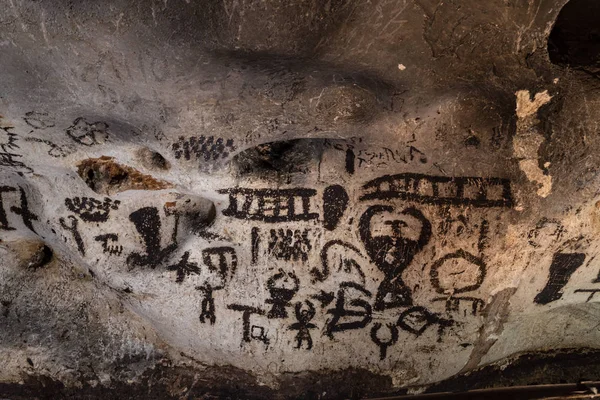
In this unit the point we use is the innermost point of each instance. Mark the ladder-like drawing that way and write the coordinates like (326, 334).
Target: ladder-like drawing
(270, 205)
(475, 191)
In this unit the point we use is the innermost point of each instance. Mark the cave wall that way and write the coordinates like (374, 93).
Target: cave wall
(264, 198)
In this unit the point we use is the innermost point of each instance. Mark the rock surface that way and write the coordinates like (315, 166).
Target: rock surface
(328, 199)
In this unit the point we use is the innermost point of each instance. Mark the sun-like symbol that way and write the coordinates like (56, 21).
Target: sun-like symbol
(8, 140)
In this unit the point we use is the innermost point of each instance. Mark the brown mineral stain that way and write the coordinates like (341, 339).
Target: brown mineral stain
(105, 176)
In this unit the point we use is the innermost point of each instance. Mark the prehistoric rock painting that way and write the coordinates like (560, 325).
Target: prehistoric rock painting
(249, 334)
(352, 307)
(184, 267)
(393, 254)
(303, 324)
(203, 148)
(455, 273)
(289, 245)
(348, 255)
(339, 191)
(73, 228)
(86, 133)
(359, 155)
(148, 223)
(267, 205)
(9, 156)
(478, 192)
(8, 140)
(55, 150)
(90, 209)
(562, 267)
(27, 216)
(110, 243)
(39, 119)
(325, 264)
(335, 202)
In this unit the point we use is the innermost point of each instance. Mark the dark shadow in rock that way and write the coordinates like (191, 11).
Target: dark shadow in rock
(35, 254)
(352, 95)
(152, 159)
(297, 156)
(575, 37)
(42, 257)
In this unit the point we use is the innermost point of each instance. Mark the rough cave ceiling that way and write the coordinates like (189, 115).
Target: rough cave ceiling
(329, 198)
